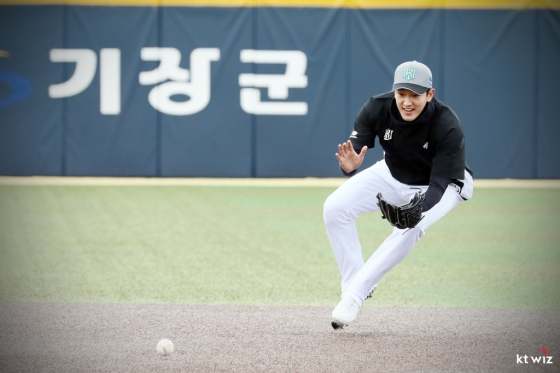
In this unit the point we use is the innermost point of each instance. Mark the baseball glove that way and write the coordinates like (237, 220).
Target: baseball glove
(402, 217)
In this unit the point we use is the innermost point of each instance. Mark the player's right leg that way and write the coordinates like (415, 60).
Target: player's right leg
(353, 198)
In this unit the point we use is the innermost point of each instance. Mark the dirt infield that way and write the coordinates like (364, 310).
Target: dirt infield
(70, 337)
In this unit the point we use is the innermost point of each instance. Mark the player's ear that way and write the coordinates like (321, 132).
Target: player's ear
(430, 94)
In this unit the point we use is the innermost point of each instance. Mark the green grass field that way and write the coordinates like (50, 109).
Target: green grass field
(265, 246)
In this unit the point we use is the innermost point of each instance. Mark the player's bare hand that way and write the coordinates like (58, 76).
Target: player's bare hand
(348, 158)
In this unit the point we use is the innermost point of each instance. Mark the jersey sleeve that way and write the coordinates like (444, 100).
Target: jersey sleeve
(449, 160)
(435, 191)
(364, 127)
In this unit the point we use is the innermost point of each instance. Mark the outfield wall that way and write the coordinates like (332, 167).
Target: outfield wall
(265, 88)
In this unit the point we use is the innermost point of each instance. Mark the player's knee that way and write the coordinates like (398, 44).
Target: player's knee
(413, 235)
(334, 210)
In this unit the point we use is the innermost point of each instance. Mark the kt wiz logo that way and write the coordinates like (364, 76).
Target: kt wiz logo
(543, 359)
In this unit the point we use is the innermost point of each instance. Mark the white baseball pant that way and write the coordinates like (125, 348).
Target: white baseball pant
(359, 195)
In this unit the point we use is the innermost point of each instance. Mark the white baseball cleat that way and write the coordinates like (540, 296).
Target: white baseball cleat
(344, 313)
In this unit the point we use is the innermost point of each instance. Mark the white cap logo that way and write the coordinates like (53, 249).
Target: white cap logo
(409, 73)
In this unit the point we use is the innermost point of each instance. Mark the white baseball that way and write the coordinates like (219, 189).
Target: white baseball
(165, 347)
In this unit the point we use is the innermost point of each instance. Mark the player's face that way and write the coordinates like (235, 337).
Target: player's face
(410, 104)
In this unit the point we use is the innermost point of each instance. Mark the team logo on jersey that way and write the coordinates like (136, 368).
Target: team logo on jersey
(353, 135)
(425, 145)
(409, 73)
(388, 135)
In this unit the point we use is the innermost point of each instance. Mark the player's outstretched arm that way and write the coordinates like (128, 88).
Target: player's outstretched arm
(348, 158)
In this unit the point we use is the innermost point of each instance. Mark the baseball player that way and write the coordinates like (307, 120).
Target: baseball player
(422, 177)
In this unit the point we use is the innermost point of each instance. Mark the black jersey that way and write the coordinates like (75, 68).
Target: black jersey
(433, 145)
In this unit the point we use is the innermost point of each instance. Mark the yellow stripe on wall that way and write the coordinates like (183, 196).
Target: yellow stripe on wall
(353, 4)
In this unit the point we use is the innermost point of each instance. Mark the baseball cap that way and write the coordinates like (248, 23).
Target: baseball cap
(414, 76)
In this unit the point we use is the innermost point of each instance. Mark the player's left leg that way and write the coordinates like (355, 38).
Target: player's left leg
(393, 250)
(400, 243)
